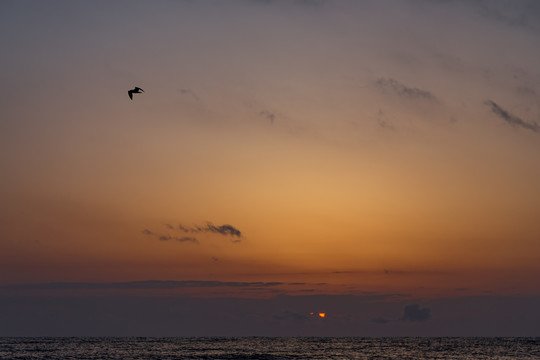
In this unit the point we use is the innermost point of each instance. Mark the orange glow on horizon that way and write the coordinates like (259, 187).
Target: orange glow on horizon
(322, 315)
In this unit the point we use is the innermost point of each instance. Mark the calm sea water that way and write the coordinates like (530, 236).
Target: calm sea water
(269, 348)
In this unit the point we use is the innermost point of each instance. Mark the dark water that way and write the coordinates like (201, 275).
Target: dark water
(269, 348)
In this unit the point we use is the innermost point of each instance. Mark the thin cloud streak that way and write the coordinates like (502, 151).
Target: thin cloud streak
(512, 119)
(226, 229)
(150, 284)
(396, 87)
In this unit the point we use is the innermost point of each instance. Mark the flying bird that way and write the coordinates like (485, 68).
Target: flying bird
(137, 90)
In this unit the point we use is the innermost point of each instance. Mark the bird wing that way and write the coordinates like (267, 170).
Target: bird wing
(138, 88)
(130, 93)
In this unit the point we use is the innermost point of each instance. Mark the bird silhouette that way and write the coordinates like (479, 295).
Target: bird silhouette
(137, 90)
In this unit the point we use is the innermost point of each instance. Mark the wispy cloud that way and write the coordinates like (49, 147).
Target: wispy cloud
(189, 93)
(177, 238)
(512, 119)
(226, 229)
(396, 87)
(383, 121)
(268, 115)
(167, 237)
(150, 284)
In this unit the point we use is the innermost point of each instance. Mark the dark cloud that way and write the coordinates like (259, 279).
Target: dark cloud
(186, 229)
(512, 119)
(186, 239)
(177, 238)
(414, 313)
(226, 229)
(394, 86)
(268, 115)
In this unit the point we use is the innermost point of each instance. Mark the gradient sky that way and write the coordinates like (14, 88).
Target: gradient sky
(374, 160)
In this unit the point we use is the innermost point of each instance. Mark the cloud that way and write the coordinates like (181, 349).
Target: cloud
(188, 92)
(177, 238)
(394, 86)
(512, 119)
(225, 230)
(383, 121)
(414, 313)
(186, 239)
(268, 115)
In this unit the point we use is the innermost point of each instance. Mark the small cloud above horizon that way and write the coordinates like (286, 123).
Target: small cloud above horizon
(226, 230)
(414, 313)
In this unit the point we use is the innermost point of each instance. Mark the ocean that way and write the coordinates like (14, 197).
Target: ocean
(269, 348)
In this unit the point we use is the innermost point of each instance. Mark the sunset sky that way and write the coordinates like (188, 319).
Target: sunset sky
(377, 161)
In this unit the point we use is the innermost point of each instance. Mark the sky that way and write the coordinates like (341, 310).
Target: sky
(376, 161)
